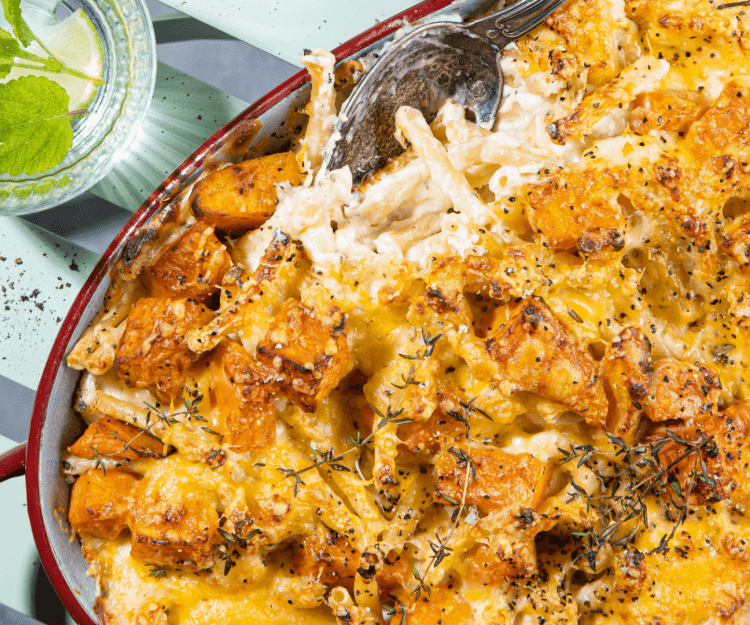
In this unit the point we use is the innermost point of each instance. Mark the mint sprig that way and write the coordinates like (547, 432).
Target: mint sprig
(21, 30)
(11, 49)
(35, 131)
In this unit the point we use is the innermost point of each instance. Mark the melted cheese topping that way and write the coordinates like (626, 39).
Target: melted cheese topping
(508, 296)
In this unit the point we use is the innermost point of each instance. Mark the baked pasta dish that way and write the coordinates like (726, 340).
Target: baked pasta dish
(504, 380)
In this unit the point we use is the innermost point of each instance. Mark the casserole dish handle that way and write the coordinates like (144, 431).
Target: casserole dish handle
(13, 462)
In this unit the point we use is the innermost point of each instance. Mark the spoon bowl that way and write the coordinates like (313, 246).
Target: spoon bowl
(423, 69)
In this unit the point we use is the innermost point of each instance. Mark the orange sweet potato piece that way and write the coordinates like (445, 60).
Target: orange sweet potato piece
(152, 350)
(445, 605)
(626, 374)
(242, 389)
(243, 196)
(486, 567)
(734, 444)
(736, 241)
(99, 503)
(191, 267)
(535, 351)
(586, 28)
(427, 436)
(697, 491)
(307, 349)
(112, 437)
(174, 522)
(497, 481)
(719, 125)
(703, 20)
(680, 390)
(579, 210)
(329, 557)
(664, 110)
(724, 455)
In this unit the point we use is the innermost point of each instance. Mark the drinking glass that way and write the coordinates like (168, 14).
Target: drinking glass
(115, 114)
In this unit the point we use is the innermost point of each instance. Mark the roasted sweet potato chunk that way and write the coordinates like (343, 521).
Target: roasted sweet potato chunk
(308, 350)
(489, 568)
(191, 267)
(329, 557)
(243, 196)
(579, 210)
(666, 110)
(111, 437)
(535, 351)
(626, 373)
(716, 466)
(642, 76)
(736, 241)
(631, 572)
(586, 27)
(99, 503)
(696, 485)
(734, 442)
(703, 20)
(245, 295)
(509, 274)
(719, 125)
(680, 390)
(242, 391)
(427, 436)
(152, 350)
(497, 480)
(174, 522)
(445, 605)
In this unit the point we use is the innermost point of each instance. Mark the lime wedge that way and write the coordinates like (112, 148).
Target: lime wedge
(74, 42)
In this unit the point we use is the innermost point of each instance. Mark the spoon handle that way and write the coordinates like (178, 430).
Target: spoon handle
(509, 24)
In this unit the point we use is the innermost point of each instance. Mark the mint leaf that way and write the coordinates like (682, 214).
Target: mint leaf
(9, 49)
(35, 131)
(21, 29)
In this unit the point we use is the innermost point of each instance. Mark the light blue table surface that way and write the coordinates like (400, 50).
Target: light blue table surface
(44, 259)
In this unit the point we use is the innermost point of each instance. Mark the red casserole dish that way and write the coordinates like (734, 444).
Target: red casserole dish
(54, 425)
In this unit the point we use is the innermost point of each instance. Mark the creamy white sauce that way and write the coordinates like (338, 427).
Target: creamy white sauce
(406, 214)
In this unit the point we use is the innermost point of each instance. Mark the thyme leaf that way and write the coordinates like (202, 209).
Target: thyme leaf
(620, 504)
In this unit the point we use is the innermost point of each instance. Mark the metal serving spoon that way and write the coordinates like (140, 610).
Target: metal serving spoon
(429, 65)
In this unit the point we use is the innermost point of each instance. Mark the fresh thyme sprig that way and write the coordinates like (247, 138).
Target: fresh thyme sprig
(190, 412)
(327, 457)
(732, 5)
(238, 539)
(127, 445)
(227, 555)
(99, 461)
(430, 342)
(463, 458)
(469, 407)
(333, 460)
(392, 416)
(638, 474)
(440, 547)
(398, 607)
(228, 552)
